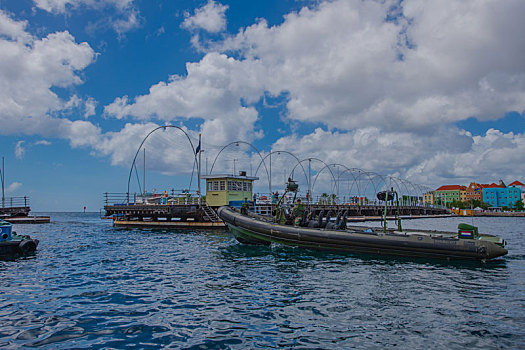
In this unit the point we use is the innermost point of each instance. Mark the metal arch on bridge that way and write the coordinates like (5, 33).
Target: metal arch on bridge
(144, 140)
(237, 143)
(371, 176)
(310, 159)
(387, 180)
(359, 171)
(327, 166)
(351, 171)
(413, 188)
(278, 152)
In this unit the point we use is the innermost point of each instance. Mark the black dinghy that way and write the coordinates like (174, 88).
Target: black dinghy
(317, 230)
(464, 244)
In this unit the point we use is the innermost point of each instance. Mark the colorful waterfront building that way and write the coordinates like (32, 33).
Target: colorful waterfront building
(521, 187)
(500, 195)
(472, 192)
(448, 193)
(428, 198)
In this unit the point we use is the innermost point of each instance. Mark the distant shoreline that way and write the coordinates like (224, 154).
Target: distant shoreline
(501, 214)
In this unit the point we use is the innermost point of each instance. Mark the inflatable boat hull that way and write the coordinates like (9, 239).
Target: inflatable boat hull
(407, 243)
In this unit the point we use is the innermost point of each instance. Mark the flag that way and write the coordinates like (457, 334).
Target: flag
(198, 149)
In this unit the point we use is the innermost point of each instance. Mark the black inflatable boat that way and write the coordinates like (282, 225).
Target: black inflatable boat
(467, 243)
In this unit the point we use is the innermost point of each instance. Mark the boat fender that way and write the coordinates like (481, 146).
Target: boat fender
(27, 246)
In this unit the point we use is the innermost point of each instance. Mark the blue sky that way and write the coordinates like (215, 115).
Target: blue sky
(428, 91)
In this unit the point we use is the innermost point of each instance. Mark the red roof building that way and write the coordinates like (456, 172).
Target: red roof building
(472, 192)
(448, 193)
(493, 185)
(451, 188)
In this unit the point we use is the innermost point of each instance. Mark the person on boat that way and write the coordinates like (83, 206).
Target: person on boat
(298, 211)
(244, 207)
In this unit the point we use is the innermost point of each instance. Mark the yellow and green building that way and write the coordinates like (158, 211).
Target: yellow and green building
(428, 198)
(447, 194)
(228, 189)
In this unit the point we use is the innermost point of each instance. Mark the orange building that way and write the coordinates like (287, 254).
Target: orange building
(474, 191)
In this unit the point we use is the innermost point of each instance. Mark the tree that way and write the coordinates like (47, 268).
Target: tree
(458, 204)
(519, 205)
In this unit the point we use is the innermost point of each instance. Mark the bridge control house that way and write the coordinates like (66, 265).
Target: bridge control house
(228, 189)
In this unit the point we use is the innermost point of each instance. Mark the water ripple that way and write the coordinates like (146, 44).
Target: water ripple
(93, 286)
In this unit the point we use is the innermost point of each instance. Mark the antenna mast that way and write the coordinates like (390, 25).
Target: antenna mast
(2, 175)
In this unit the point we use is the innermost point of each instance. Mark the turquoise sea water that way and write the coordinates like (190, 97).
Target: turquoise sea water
(94, 286)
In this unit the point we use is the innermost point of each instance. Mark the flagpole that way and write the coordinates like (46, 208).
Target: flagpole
(200, 194)
(2, 173)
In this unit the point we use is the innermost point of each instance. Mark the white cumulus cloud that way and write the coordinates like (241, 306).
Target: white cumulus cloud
(12, 188)
(43, 143)
(345, 66)
(126, 15)
(61, 6)
(30, 67)
(450, 155)
(211, 18)
(392, 77)
(211, 91)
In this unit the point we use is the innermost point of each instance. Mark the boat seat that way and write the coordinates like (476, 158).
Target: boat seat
(331, 226)
(320, 219)
(327, 221)
(313, 224)
(304, 219)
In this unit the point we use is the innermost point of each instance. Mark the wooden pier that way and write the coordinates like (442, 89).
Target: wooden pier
(14, 206)
(28, 219)
(16, 211)
(194, 215)
(168, 215)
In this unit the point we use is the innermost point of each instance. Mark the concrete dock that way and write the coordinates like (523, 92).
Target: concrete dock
(28, 219)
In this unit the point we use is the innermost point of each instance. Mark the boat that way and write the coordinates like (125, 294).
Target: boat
(320, 231)
(14, 245)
